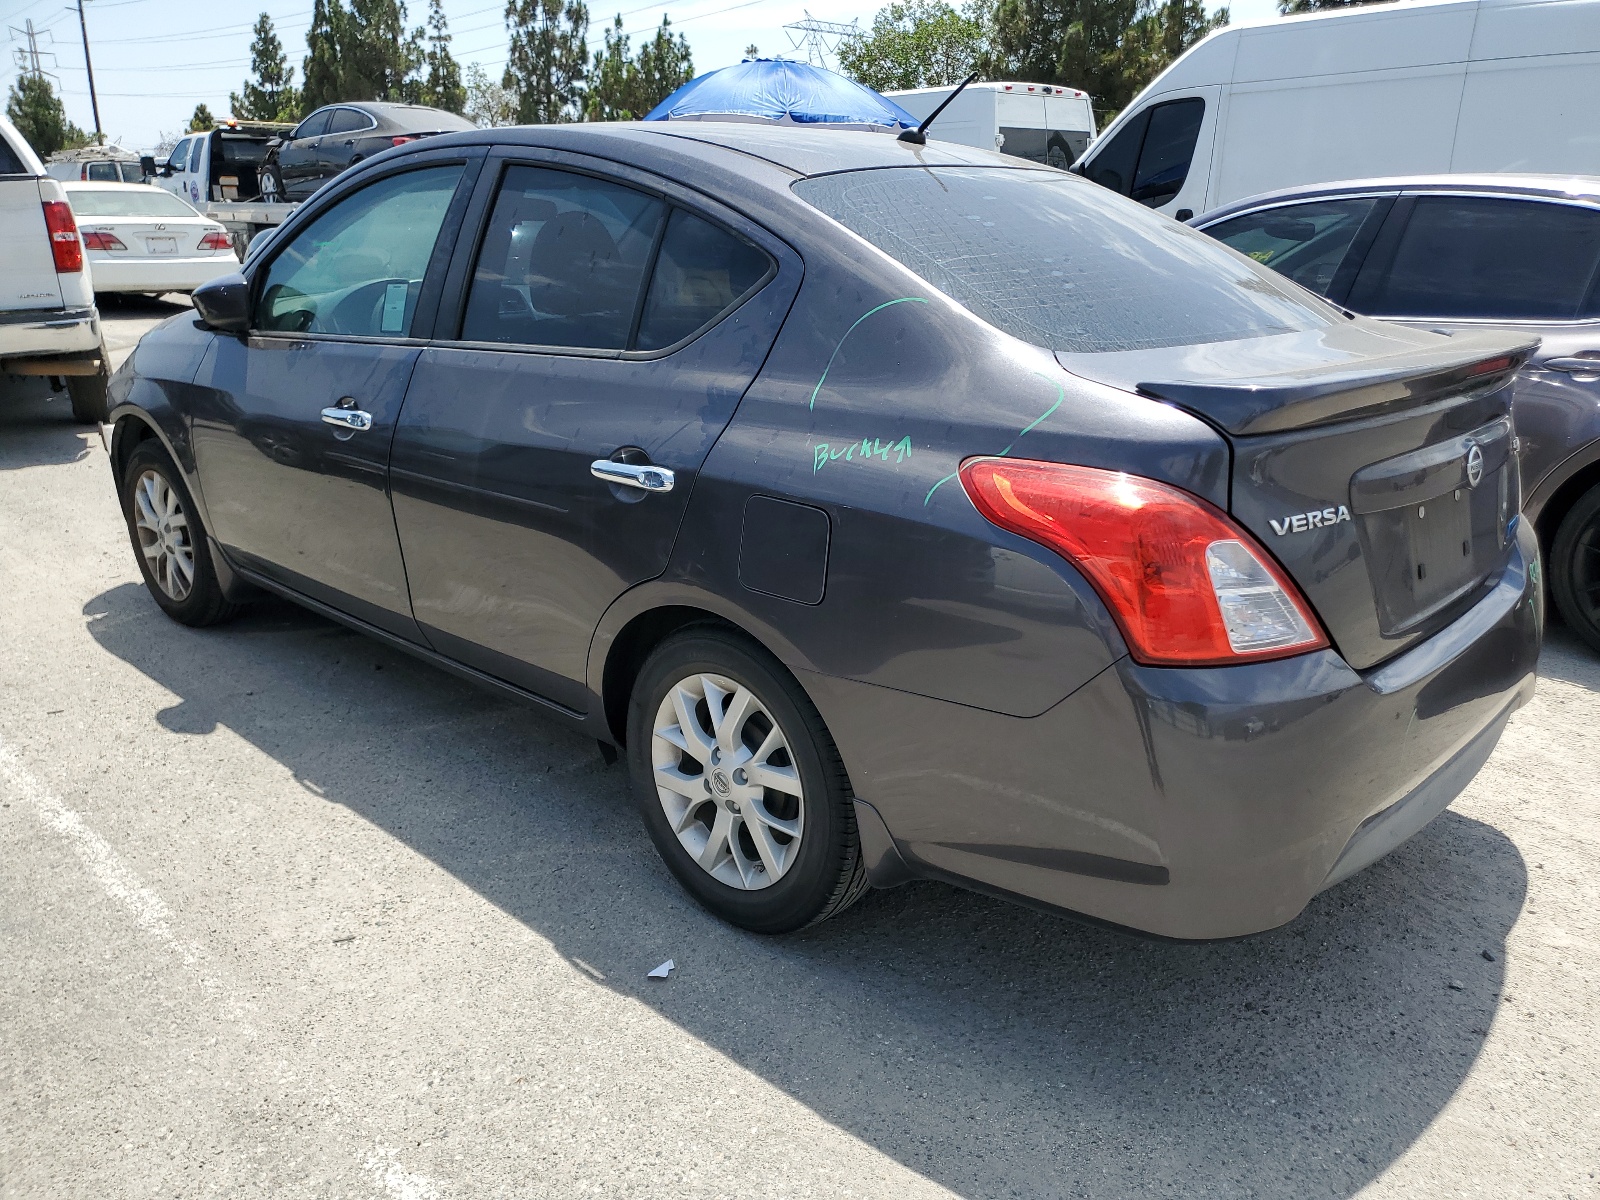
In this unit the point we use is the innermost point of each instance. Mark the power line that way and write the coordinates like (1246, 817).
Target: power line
(821, 38)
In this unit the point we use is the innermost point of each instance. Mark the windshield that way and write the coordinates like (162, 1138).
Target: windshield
(1060, 262)
(137, 201)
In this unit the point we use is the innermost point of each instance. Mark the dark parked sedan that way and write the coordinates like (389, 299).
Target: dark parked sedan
(338, 136)
(897, 511)
(1516, 253)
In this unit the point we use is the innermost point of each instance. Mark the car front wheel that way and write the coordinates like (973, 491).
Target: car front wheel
(271, 184)
(169, 541)
(1575, 567)
(740, 785)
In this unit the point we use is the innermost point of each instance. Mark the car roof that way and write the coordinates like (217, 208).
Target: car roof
(1557, 187)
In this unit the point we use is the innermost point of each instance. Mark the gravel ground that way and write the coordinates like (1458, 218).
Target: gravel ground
(287, 914)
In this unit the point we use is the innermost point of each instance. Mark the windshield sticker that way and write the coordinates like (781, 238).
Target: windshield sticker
(394, 308)
(848, 332)
(1061, 395)
(823, 454)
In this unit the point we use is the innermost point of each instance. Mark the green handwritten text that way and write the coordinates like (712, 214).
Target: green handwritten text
(822, 453)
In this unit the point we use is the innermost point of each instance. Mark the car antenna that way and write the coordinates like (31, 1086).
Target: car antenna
(919, 135)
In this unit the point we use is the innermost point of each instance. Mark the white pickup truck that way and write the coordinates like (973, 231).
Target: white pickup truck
(48, 322)
(218, 171)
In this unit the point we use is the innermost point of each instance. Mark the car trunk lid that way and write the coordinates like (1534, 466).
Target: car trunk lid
(1385, 482)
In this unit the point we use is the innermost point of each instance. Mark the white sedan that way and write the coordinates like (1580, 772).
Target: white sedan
(140, 238)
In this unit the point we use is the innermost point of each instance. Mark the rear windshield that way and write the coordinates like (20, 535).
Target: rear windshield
(1060, 262)
(139, 201)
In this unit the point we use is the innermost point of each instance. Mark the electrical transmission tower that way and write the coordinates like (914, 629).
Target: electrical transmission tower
(819, 39)
(28, 57)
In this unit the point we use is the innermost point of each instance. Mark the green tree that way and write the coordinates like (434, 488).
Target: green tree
(624, 88)
(548, 56)
(1289, 7)
(489, 105)
(443, 87)
(324, 82)
(202, 121)
(378, 59)
(752, 51)
(916, 43)
(665, 65)
(271, 95)
(1109, 48)
(35, 109)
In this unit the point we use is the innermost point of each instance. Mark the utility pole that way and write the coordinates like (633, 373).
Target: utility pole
(94, 101)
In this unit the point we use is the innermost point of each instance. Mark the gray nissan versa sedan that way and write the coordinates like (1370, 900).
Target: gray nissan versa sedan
(900, 511)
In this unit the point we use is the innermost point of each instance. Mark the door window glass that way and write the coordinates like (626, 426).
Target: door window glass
(103, 172)
(179, 158)
(1306, 242)
(1113, 165)
(314, 126)
(701, 272)
(347, 120)
(1483, 256)
(563, 261)
(1168, 147)
(195, 151)
(357, 268)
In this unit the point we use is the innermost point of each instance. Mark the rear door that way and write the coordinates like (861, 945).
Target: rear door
(608, 319)
(339, 144)
(1470, 261)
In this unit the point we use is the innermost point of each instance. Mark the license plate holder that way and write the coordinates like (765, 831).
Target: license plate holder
(161, 245)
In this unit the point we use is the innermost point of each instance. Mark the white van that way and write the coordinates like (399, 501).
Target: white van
(1041, 122)
(1414, 88)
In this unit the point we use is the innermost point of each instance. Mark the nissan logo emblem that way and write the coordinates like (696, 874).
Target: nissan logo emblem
(1474, 466)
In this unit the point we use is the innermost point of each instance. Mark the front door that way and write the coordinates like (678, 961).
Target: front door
(292, 429)
(604, 319)
(299, 164)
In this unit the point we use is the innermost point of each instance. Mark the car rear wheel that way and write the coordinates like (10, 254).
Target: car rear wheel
(740, 785)
(169, 541)
(88, 396)
(1575, 567)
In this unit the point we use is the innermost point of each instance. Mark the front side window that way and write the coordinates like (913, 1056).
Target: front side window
(1149, 157)
(563, 262)
(1306, 242)
(313, 126)
(357, 269)
(1114, 164)
(1053, 261)
(348, 120)
(1493, 258)
(179, 158)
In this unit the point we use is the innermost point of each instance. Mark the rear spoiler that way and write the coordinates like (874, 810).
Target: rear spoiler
(1342, 392)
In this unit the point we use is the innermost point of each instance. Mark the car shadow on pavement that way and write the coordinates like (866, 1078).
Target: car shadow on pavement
(996, 1050)
(36, 426)
(1569, 658)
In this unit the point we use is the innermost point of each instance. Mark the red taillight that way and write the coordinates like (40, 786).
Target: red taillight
(216, 240)
(94, 239)
(1185, 584)
(64, 243)
(400, 141)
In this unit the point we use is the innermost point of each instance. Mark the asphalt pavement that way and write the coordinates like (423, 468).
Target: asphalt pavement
(285, 913)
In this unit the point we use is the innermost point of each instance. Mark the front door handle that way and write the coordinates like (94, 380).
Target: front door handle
(347, 418)
(647, 477)
(1577, 365)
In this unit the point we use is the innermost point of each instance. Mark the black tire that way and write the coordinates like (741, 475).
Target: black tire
(271, 182)
(88, 396)
(827, 874)
(203, 603)
(1575, 567)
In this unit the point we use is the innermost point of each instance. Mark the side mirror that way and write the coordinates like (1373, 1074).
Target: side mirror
(147, 164)
(224, 303)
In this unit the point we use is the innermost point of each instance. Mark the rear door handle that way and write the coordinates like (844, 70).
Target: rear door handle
(647, 477)
(1577, 365)
(347, 418)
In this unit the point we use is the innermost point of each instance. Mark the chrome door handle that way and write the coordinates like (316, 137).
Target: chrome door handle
(347, 418)
(1577, 365)
(651, 479)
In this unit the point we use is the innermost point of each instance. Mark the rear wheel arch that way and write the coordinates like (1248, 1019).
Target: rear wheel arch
(1560, 502)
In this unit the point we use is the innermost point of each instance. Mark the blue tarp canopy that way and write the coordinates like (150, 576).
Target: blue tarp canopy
(783, 92)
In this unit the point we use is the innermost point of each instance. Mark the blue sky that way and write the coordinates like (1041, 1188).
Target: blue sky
(154, 60)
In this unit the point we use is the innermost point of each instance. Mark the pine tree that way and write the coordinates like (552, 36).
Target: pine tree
(202, 121)
(665, 65)
(624, 88)
(611, 79)
(546, 67)
(271, 96)
(324, 77)
(378, 59)
(1289, 7)
(442, 88)
(35, 109)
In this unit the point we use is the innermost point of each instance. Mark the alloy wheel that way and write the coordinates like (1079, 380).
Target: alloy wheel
(163, 530)
(727, 781)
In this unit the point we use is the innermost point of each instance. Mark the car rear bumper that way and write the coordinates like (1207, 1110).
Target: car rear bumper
(48, 331)
(121, 274)
(1202, 803)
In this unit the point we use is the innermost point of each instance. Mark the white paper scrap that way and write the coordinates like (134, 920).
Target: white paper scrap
(663, 970)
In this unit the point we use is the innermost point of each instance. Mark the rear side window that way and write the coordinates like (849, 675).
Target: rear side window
(701, 272)
(195, 151)
(10, 160)
(1306, 242)
(1048, 259)
(1490, 257)
(563, 262)
(348, 120)
(1149, 158)
(103, 172)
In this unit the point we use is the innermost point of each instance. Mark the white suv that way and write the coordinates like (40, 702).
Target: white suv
(48, 321)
